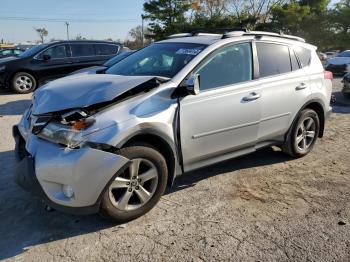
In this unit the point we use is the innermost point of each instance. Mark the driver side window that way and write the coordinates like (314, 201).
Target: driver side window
(226, 66)
(55, 52)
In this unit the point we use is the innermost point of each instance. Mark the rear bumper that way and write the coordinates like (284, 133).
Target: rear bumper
(45, 168)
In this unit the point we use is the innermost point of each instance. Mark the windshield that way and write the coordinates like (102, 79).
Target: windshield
(117, 58)
(161, 59)
(32, 51)
(344, 54)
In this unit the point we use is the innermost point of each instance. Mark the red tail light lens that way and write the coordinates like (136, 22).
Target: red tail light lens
(328, 75)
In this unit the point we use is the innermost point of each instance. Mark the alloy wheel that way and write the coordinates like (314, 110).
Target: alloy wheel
(135, 186)
(305, 134)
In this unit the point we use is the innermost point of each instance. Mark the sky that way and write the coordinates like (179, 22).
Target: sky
(97, 19)
(92, 19)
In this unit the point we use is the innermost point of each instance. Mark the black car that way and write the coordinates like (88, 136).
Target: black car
(346, 87)
(47, 62)
(102, 68)
(10, 52)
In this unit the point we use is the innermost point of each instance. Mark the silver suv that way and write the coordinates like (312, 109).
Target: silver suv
(113, 142)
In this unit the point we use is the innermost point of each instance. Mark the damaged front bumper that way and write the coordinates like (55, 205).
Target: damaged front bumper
(47, 170)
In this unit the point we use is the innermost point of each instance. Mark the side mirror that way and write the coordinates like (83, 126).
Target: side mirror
(192, 84)
(46, 57)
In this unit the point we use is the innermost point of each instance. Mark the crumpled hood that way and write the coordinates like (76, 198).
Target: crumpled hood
(79, 91)
(7, 59)
(339, 60)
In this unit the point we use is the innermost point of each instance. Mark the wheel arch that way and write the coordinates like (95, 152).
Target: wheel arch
(28, 71)
(318, 106)
(162, 144)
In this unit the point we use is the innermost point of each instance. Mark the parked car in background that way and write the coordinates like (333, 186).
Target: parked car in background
(346, 86)
(322, 56)
(46, 62)
(10, 52)
(113, 142)
(332, 53)
(340, 64)
(105, 66)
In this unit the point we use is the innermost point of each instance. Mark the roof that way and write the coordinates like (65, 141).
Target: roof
(200, 39)
(82, 41)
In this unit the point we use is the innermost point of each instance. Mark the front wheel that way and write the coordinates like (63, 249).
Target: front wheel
(303, 135)
(138, 189)
(23, 83)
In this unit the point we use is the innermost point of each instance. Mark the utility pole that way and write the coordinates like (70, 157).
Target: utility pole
(67, 25)
(142, 32)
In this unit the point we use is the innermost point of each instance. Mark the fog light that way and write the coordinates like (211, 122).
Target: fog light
(68, 191)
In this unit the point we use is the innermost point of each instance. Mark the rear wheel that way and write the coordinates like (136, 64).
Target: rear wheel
(138, 189)
(303, 135)
(23, 83)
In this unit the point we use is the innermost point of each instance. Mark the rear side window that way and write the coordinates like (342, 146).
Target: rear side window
(105, 49)
(273, 59)
(82, 50)
(304, 55)
(293, 60)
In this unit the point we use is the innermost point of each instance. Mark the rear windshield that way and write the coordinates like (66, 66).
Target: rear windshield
(161, 59)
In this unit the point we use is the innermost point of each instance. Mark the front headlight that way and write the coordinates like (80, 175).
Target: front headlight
(68, 135)
(2, 68)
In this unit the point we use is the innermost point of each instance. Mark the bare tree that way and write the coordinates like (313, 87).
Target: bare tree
(260, 9)
(214, 7)
(42, 32)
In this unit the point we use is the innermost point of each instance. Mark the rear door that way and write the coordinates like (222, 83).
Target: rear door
(52, 63)
(285, 88)
(83, 55)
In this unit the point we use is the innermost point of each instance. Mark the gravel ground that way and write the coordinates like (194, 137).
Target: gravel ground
(261, 207)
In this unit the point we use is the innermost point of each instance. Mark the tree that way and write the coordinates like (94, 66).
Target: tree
(42, 32)
(136, 38)
(79, 37)
(166, 17)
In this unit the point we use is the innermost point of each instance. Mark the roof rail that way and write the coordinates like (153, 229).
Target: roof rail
(281, 34)
(238, 32)
(207, 32)
(262, 33)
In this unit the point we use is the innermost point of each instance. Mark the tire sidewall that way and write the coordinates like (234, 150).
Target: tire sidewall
(19, 91)
(304, 114)
(148, 153)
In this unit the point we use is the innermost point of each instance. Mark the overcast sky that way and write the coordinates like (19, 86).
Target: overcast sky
(97, 19)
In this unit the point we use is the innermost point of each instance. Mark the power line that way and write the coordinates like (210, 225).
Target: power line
(40, 19)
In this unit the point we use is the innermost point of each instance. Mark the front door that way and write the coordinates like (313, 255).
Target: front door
(52, 63)
(223, 119)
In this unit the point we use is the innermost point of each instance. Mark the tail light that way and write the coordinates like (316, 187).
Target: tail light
(328, 75)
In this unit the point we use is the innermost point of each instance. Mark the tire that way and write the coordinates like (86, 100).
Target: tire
(23, 83)
(300, 141)
(149, 160)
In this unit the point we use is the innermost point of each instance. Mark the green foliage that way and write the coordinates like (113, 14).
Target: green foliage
(327, 28)
(166, 17)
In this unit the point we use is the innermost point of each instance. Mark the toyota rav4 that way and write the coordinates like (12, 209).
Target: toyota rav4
(113, 142)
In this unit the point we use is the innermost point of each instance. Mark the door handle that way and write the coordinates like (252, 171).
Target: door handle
(301, 86)
(251, 97)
